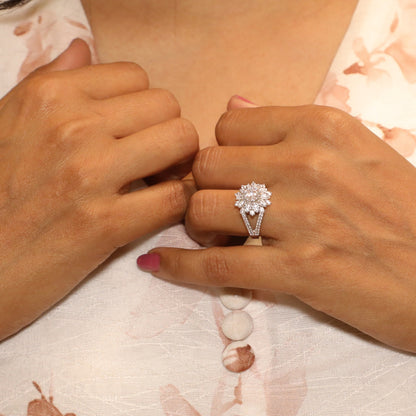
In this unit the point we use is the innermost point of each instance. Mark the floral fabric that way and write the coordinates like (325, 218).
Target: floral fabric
(124, 343)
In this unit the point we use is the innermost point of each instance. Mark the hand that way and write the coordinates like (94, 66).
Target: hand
(72, 138)
(340, 233)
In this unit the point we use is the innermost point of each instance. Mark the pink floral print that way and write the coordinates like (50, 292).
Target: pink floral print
(403, 141)
(333, 94)
(43, 406)
(277, 382)
(174, 404)
(367, 65)
(380, 65)
(402, 45)
(40, 43)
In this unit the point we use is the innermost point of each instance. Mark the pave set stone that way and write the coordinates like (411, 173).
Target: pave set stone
(252, 199)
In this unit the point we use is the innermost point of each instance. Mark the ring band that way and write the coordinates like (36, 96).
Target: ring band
(252, 199)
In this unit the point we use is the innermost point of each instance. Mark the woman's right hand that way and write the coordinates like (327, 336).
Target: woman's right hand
(72, 137)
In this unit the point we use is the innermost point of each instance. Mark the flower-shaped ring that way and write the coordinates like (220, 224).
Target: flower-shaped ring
(252, 199)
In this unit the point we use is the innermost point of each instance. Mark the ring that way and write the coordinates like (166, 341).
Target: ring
(252, 199)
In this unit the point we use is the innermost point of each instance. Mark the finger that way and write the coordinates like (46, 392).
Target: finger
(127, 114)
(103, 80)
(256, 126)
(109, 80)
(229, 167)
(178, 171)
(236, 102)
(155, 149)
(212, 213)
(98, 81)
(146, 210)
(248, 267)
(76, 56)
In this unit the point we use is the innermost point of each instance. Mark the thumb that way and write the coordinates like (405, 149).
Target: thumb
(77, 55)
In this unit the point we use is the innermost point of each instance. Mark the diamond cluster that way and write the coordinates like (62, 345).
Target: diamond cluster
(253, 198)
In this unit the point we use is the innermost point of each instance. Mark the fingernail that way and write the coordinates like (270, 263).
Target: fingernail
(239, 97)
(149, 262)
(237, 101)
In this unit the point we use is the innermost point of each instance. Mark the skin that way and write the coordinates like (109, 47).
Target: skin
(340, 233)
(65, 168)
(205, 51)
(64, 206)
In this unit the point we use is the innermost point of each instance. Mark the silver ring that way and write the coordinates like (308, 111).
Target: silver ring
(252, 199)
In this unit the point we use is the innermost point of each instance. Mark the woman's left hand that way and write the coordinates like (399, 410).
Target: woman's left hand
(340, 233)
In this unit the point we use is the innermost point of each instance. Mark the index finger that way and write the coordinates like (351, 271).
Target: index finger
(99, 81)
(256, 126)
(109, 80)
(248, 267)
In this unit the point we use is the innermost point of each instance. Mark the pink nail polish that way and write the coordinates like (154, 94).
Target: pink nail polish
(239, 97)
(236, 102)
(149, 262)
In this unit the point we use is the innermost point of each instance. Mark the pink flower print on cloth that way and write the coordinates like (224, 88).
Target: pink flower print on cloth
(399, 44)
(403, 141)
(333, 94)
(39, 35)
(368, 62)
(402, 46)
(43, 406)
(379, 85)
(174, 404)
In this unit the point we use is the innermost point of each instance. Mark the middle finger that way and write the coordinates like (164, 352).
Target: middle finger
(126, 114)
(229, 167)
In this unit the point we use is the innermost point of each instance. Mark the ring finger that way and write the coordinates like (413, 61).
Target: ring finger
(213, 212)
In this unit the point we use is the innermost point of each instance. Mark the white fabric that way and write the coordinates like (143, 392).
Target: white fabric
(124, 343)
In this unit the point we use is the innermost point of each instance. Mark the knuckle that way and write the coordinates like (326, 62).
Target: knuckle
(184, 128)
(176, 198)
(206, 162)
(216, 267)
(226, 123)
(44, 90)
(201, 206)
(316, 166)
(71, 131)
(137, 71)
(329, 122)
(333, 117)
(168, 100)
(186, 135)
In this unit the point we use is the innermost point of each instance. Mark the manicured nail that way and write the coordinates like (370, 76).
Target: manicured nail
(239, 97)
(149, 262)
(237, 101)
